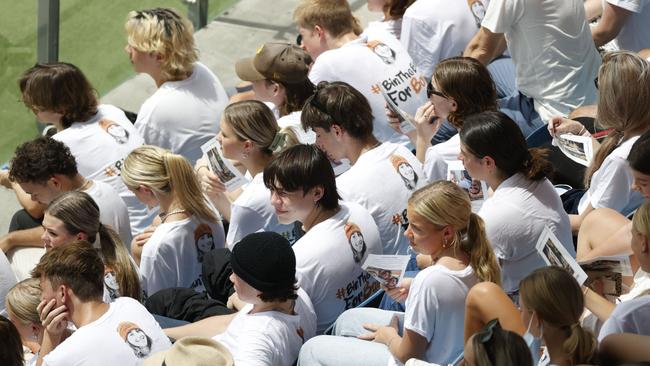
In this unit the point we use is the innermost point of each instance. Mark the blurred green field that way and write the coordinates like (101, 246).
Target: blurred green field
(91, 37)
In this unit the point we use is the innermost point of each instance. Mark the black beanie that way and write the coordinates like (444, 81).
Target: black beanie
(265, 261)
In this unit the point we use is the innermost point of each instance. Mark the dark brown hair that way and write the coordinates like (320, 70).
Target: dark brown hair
(495, 135)
(639, 156)
(469, 84)
(11, 348)
(76, 265)
(38, 160)
(335, 16)
(395, 9)
(59, 87)
(338, 103)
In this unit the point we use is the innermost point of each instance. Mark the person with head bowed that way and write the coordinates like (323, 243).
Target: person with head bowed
(170, 256)
(524, 202)
(442, 226)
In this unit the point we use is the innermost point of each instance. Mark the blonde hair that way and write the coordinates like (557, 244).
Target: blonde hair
(253, 120)
(168, 33)
(80, 213)
(557, 299)
(641, 219)
(335, 16)
(443, 203)
(624, 85)
(23, 299)
(167, 173)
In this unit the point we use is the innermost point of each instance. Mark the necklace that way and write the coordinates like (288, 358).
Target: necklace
(163, 216)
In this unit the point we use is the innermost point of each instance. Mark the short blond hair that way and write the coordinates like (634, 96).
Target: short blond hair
(335, 16)
(168, 33)
(23, 299)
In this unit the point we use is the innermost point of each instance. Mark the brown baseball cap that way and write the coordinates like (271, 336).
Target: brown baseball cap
(282, 62)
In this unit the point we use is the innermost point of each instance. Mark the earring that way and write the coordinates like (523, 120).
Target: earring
(244, 155)
(444, 243)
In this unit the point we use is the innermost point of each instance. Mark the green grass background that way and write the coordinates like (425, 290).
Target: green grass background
(91, 36)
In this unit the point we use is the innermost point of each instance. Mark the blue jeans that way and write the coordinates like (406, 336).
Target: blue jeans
(503, 73)
(343, 348)
(522, 110)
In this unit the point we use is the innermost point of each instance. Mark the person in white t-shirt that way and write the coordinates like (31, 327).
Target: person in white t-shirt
(551, 304)
(276, 317)
(99, 136)
(120, 333)
(442, 226)
(329, 256)
(279, 73)
(184, 112)
(624, 84)
(249, 134)
(187, 227)
(374, 63)
(552, 82)
(625, 22)
(7, 280)
(524, 201)
(43, 169)
(393, 11)
(75, 216)
(342, 120)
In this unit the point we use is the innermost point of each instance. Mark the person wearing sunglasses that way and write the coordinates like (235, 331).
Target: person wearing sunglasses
(185, 110)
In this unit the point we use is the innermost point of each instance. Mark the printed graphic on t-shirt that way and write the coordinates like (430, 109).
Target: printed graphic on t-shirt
(405, 171)
(382, 50)
(477, 8)
(110, 283)
(136, 338)
(355, 239)
(119, 133)
(357, 290)
(204, 240)
(401, 219)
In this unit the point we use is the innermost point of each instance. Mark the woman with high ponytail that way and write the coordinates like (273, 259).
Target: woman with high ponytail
(187, 226)
(624, 93)
(249, 134)
(74, 216)
(442, 226)
(551, 305)
(524, 202)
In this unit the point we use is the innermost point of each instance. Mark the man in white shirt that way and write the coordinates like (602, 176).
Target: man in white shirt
(342, 120)
(44, 168)
(184, 112)
(374, 63)
(122, 333)
(551, 47)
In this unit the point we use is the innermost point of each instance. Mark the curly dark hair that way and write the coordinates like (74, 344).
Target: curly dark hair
(37, 160)
(280, 295)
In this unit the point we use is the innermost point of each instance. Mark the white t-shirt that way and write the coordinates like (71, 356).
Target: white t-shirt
(125, 335)
(515, 217)
(552, 49)
(635, 33)
(392, 26)
(435, 309)
(329, 258)
(252, 212)
(610, 184)
(632, 316)
(173, 255)
(183, 115)
(292, 121)
(269, 338)
(7, 280)
(433, 30)
(100, 146)
(437, 158)
(112, 210)
(374, 62)
(400, 174)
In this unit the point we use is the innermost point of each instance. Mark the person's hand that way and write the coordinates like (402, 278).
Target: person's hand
(4, 179)
(211, 184)
(381, 334)
(142, 238)
(399, 293)
(393, 119)
(427, 123)
(5, 245)
(234, 302)
(54, 320)
(560, 125)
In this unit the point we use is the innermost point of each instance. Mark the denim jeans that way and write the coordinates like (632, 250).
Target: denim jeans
(343, 348)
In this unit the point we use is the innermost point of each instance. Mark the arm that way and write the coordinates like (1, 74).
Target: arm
(576, 220)
(411, 345)
(486, 46)
(207, 327)
(33, 208)
(597, 304)
(610, 24)
(22, 238)
(486, 301)
(625, 347)
(55, 323)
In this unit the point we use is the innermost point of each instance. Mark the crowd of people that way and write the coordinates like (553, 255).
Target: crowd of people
(234, 229)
